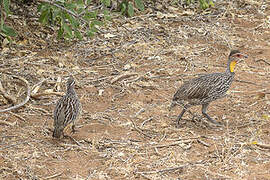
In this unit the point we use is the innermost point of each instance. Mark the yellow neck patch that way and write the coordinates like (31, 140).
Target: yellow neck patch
(232, 66)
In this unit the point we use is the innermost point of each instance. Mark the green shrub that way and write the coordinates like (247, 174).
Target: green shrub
(71, 16)
(127, 7)
(5, 30)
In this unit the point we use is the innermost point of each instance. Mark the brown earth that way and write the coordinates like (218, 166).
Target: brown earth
(126, 77)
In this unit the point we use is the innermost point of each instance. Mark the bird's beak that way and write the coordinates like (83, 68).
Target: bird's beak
(242, 56)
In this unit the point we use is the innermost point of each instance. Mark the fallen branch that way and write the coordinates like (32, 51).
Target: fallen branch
(25, 100)
(265, 146)
(164, 170)
(7, 123)
(38, 95)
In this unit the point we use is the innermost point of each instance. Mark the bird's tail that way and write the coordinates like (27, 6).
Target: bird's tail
(57, 132)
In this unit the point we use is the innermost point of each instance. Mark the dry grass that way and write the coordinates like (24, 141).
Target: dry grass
(126, 77)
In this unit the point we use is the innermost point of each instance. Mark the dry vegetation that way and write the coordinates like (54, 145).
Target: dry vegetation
(126, 77)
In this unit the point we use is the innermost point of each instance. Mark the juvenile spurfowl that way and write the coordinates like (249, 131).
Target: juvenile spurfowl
(67, 109)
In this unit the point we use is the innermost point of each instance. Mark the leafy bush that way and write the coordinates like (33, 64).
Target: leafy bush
(71, 16)
(204, 4)
(5, 30)
(127, 7)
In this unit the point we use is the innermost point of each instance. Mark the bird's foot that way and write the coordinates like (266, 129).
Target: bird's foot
(178, 125)
(73, 130)
(218, 124)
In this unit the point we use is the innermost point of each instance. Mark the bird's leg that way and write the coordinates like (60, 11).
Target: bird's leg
(182, 113)
(183, 105)
(204, 109)
(73, 130)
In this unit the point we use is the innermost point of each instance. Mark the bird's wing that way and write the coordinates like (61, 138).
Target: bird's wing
(198, 88)
(59, 113)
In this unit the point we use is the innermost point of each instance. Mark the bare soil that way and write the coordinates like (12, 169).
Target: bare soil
(126, 76)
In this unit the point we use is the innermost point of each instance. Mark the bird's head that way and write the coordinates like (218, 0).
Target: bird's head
(70, 82)
(234, 57)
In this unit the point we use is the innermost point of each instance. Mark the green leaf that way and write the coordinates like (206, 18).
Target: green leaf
(70, 6)
(88, 2)
(2, 22)
(106, 2)
(6, 4)
(40, 7)
(130, 10)
(123, 7)
(78, 35)
(8, 31)
(107, 15)
(97, 22)
(211, 4)
(139, 4)
(60, 33)
(44, 17)
(74, 23)
(80, 2)
(90, 15)
(90, 33)
(67, 30)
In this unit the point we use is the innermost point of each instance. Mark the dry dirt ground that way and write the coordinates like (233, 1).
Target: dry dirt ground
(126, 77)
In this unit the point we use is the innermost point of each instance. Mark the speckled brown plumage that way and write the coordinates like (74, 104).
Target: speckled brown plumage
(67, 109)
(207, 88)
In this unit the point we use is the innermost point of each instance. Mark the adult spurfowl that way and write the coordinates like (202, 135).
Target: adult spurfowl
(207, 88)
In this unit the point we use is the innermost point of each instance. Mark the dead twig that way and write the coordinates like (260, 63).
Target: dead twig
(263, 61)
(172, 144)
(38, 95)
(164, 170)
(265, 146)
(247, 82)
(147, 120)
(74, 140)
(53, 176)
(10, 99)
(37, 86)
(25, 100)
(12, 145)
(139, 130)
(7, 123)
(143, 175)
(17, 116)
(122, 76)
(139, 112)
(203, 143)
